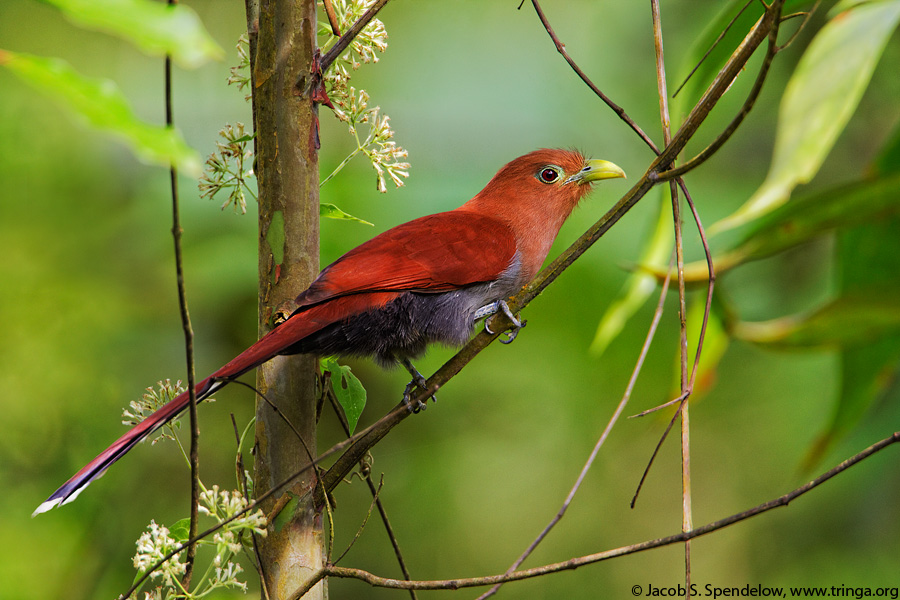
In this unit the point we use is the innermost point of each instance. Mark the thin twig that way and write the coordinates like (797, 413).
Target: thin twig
(686, 518)
(807, 15)
(561, 48)
(679, 400)
(245, 492)
(332, 17)
(188, 340)
(656, 408)
(453, 584)
(362, 525)
(367, 476)
(277, 411)
(651, 333)
(749, 102)
(341, 44)
(710, 282)
(713, 46)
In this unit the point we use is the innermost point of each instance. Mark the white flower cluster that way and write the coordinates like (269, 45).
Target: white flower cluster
(230, 167)
(150, 402)
(224, 504)
(152, 546)
(157, 542)
(371, 39)
(351, 105)
(240, 73)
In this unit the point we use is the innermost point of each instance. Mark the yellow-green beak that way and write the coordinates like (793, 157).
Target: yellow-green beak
(595, 170)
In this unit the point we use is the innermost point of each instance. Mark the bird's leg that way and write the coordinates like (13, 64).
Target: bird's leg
(500, 306)
(417, 381)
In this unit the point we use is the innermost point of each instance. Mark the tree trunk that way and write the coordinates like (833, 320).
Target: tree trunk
(283, 42)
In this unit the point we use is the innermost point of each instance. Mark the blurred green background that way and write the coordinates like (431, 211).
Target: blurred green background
(88, 319)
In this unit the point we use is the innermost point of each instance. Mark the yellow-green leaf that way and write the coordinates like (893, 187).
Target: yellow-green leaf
(820, 98)
(804, 219)
(349, 390)
(857, 318)
(155, 27)
(104, 106)
(330, 211)
(639, 285)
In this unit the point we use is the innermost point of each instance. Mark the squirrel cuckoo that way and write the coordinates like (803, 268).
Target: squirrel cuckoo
(425, 281)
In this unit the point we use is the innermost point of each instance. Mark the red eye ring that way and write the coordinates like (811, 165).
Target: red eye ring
(548, 175)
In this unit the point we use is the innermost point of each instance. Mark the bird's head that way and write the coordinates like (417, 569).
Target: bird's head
(544, 185)
(550, 181)
(534, 194)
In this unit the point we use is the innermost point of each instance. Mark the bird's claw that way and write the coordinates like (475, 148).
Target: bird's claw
(418, 381)
(419, 405)
(516, 324)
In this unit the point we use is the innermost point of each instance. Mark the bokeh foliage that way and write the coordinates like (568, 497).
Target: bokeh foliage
(89, 315)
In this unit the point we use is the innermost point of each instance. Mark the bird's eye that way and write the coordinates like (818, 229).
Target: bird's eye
(548, 174)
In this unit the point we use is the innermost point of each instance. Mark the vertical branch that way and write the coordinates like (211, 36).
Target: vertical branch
(188, 339)
(283, 43)
(366, 472)
(687, 520)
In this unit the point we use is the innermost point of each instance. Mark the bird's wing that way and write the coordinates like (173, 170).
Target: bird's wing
(431, 254)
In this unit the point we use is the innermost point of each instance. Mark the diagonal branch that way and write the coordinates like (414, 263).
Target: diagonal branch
(600, 441)
(574, 563)
(367, 438)
(367, 475)
(348, 37)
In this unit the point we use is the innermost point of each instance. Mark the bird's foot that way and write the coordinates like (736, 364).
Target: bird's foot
(501, 306)
(418, 381)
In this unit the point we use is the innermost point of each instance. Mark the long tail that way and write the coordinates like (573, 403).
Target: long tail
(267, 347)
(275, 342)
(94, 469)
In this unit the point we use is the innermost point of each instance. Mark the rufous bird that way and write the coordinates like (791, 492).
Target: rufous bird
(425, 281)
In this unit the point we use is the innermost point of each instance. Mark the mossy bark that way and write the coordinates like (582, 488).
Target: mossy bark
(283, 43)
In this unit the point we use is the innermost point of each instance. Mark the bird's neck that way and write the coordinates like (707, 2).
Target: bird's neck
(534, 224)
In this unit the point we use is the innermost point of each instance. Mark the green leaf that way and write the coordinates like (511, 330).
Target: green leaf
(813, 215)
(155, 27)
(820, 98)
(868, 256)
(105, 107)
(707, 59)
(180, 530)
(853, 319)
(330, 211)
(804, 219)
(349, 390)
(639, 285)
(888, 161)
